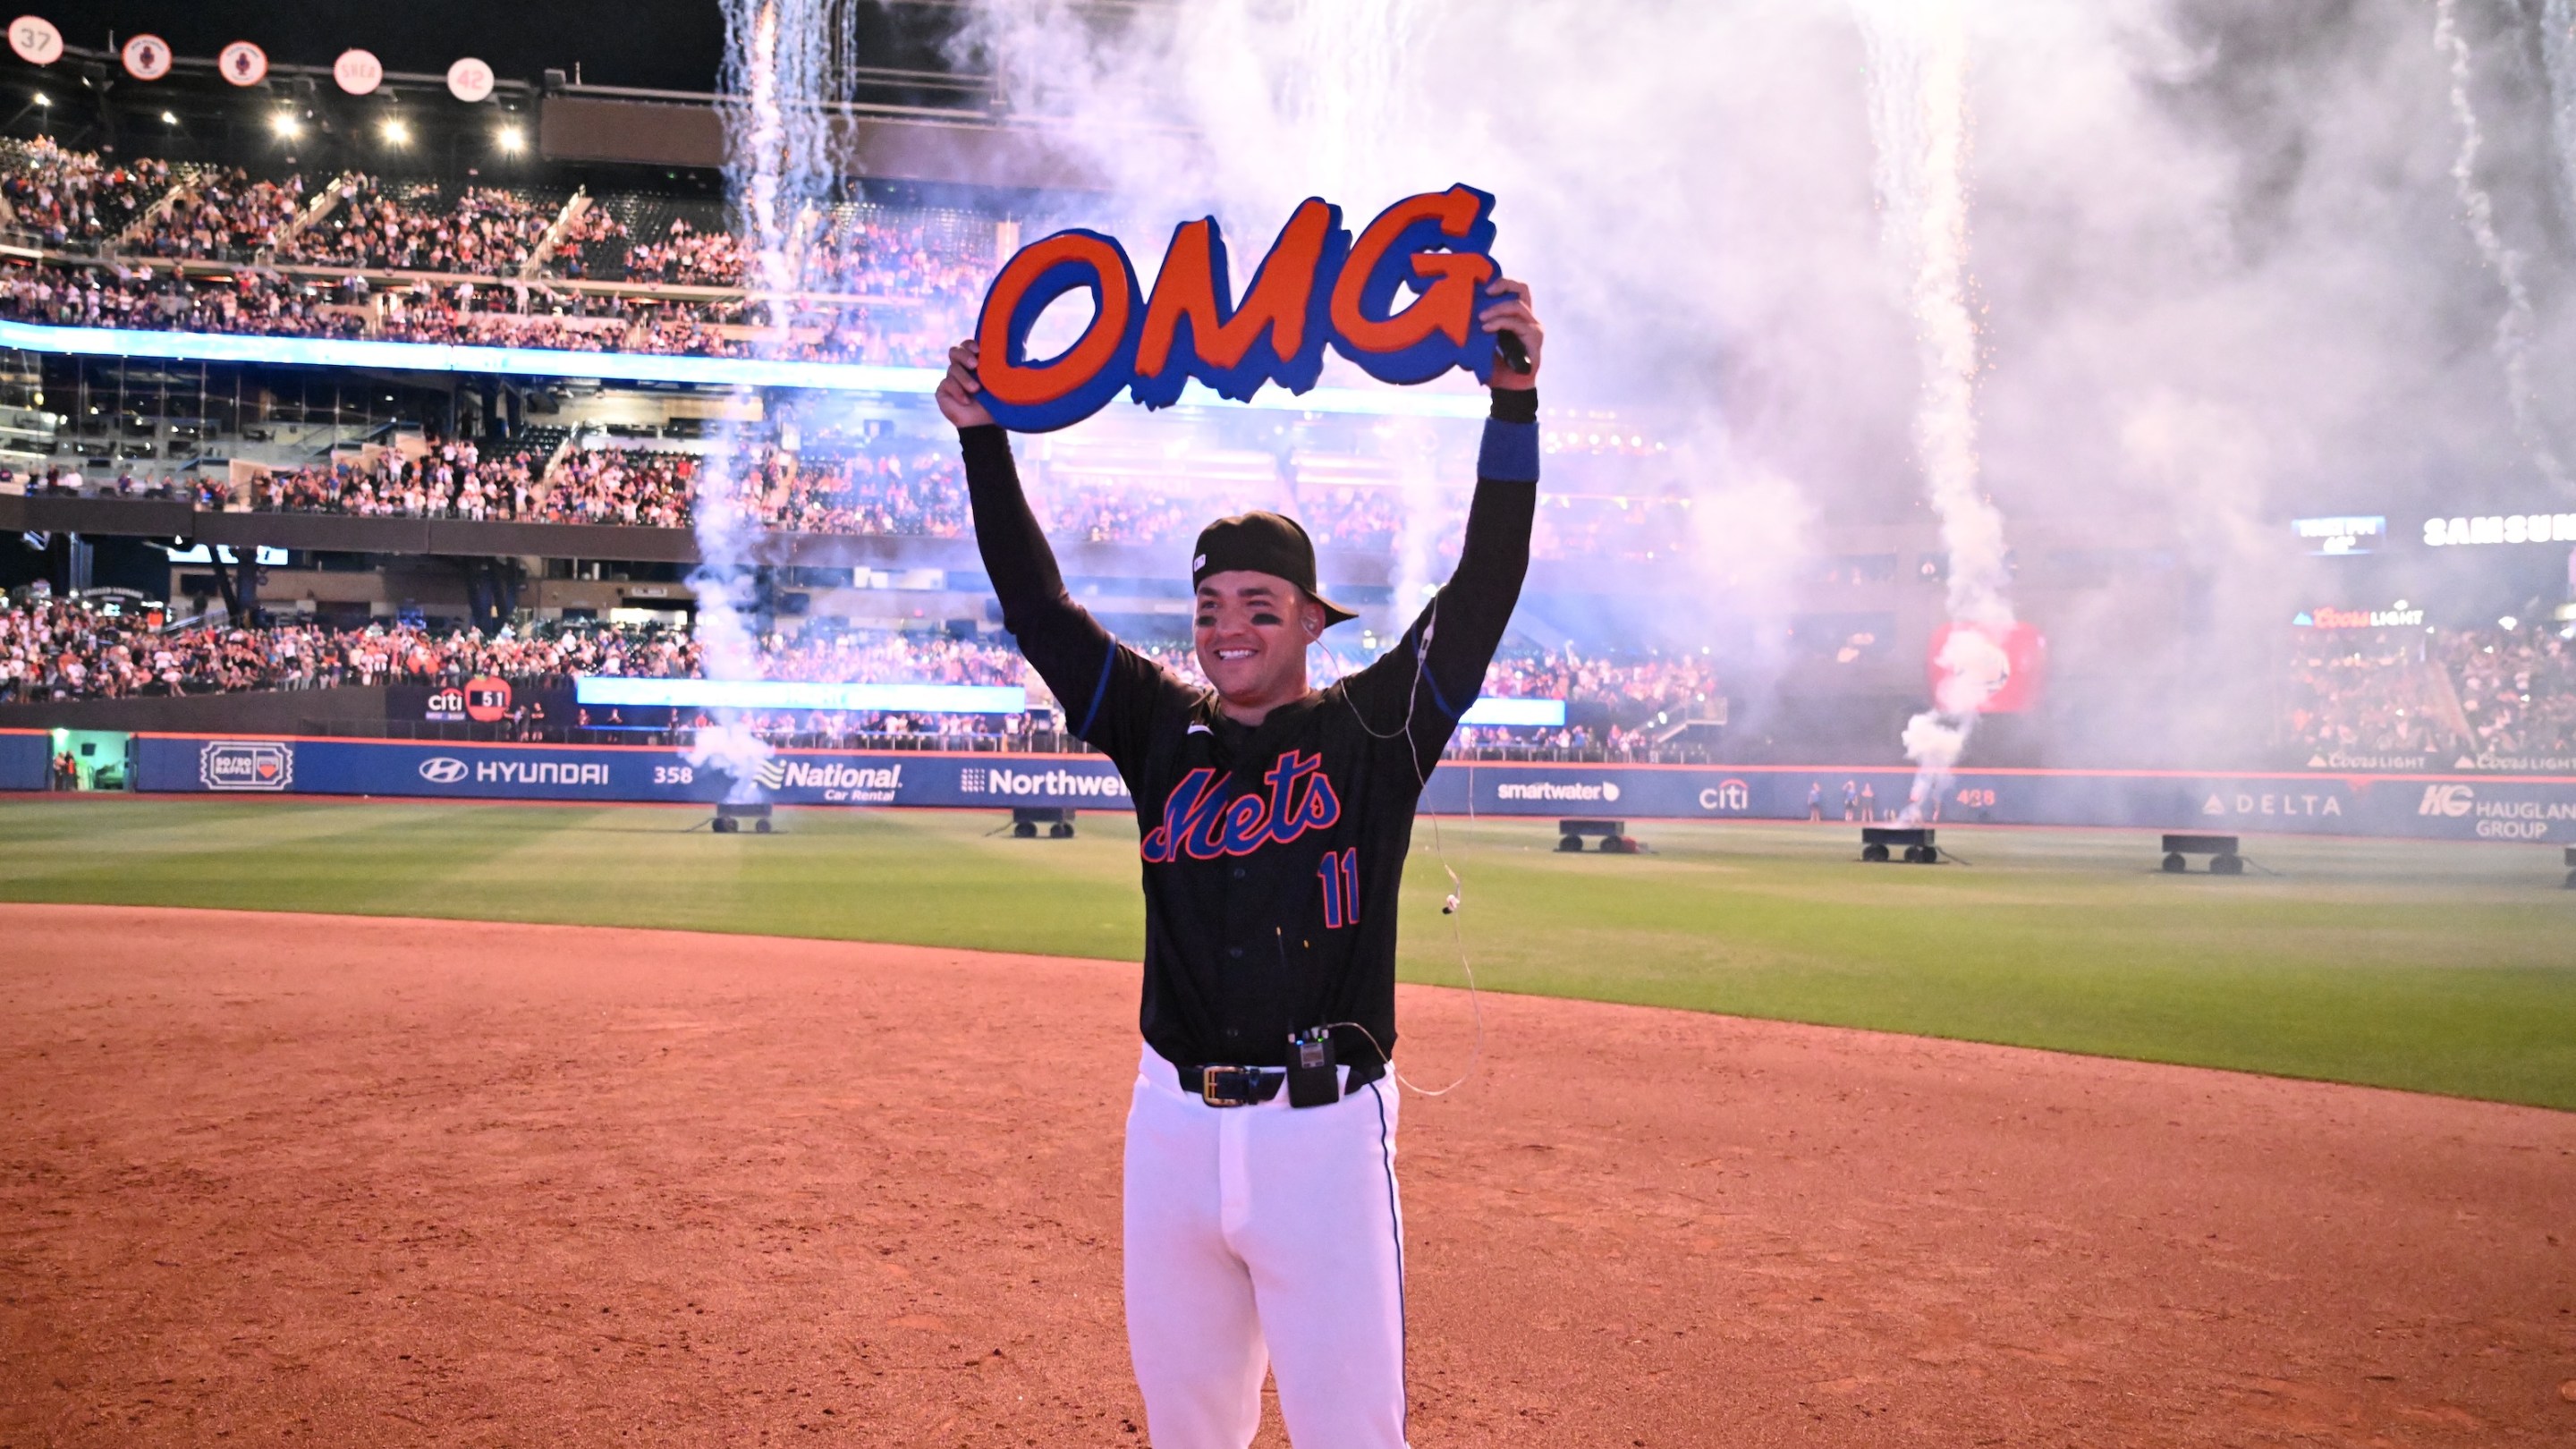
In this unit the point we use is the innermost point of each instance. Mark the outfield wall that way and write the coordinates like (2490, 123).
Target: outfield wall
(2454, 807)
(23, 754)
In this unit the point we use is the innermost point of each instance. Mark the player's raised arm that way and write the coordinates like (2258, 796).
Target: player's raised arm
(1100, 685)
(1465, 623)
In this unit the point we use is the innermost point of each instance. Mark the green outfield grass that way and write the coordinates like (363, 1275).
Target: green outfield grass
(2439, 968)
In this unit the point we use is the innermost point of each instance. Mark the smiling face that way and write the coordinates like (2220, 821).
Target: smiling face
(1252, 634)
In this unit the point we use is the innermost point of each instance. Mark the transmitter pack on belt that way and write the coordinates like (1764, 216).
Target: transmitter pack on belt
(1313, 1080)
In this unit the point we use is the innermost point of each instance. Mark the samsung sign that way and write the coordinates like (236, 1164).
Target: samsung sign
(2501, 528)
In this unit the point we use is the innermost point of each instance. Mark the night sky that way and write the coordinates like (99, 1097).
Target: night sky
(663, 44)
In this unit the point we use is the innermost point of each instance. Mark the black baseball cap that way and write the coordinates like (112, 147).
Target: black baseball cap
(1265, 543)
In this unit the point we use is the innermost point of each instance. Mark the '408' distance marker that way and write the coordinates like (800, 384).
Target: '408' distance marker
(1316, 287)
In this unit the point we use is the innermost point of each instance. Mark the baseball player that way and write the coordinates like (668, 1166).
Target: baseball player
(1262, 1221)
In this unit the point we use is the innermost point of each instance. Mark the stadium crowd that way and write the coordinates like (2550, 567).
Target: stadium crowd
(248, 301)
(689, 257)
(69, 649)
(452, 480)
(615, 485)
(2408, 692)
(877, 284)
(73, 199)
(2517, 689)
(219, 216)
(917, 492)
(484, 232)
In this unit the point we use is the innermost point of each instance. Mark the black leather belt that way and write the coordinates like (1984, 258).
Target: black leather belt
(1220, 1086)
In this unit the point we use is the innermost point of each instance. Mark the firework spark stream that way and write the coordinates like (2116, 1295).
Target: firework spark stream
(2518, 327)
(780, 67)
(1918, 70)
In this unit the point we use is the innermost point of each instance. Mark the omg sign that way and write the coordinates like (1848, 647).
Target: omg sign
(1400, 301)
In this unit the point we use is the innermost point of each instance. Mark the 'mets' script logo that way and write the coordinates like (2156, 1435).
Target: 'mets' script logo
(1199, 821)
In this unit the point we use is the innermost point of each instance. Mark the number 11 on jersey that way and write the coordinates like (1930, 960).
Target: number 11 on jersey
(1340, 870)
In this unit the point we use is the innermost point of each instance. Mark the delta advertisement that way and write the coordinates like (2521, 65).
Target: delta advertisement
(2454, 807)
(23, 754)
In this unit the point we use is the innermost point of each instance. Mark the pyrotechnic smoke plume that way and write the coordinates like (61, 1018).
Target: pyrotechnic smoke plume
(2517, 330)
(2182, 211)
(2558, 58)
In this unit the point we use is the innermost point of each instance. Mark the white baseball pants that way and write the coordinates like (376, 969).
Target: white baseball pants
(1265, 1236)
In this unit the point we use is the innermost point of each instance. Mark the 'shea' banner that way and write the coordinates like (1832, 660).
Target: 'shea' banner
(1317, 287)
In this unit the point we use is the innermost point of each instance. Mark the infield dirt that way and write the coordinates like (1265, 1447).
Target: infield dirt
(366, 1181)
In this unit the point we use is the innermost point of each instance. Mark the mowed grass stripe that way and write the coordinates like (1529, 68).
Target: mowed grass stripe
(2430, 967)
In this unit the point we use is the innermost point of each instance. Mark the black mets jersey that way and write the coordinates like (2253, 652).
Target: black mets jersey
(1272, 852)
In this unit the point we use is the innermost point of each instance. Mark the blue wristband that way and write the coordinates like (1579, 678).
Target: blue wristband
(1510, 453)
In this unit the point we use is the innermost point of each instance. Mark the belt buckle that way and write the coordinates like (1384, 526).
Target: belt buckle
(1229, 1086)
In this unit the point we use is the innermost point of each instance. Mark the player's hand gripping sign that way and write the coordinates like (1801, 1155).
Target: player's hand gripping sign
(1316, 288)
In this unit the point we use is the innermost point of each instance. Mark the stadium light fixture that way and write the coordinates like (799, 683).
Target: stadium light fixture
(284, 124)
(509, 140)
(44, 101)
(397, 134)
(168, 119)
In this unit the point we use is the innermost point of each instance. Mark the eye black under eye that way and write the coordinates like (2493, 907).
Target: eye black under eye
(1265, 620)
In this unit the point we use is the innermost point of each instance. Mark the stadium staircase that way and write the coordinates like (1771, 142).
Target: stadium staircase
(318, 208)
(2436, 693)
(183, 185)
(544, 250)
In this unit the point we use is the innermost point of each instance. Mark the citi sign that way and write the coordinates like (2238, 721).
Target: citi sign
(1730, 796)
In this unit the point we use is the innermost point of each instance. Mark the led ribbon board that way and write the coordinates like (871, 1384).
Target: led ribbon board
(847, 377)
(786, 694)
(1317, 287)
